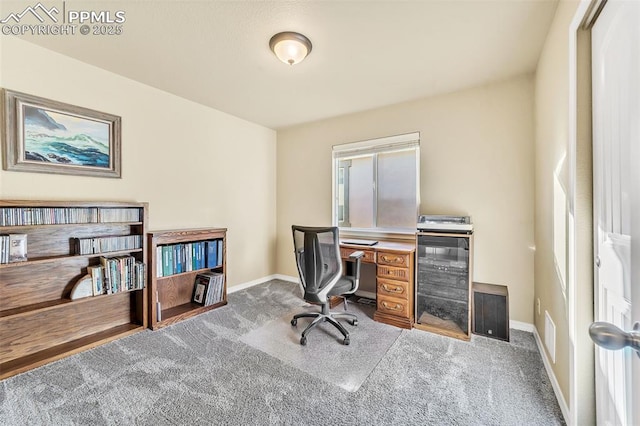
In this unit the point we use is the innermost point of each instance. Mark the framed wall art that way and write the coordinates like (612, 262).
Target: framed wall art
(45, 136)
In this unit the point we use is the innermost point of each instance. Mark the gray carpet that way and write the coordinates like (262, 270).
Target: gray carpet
(200, 372)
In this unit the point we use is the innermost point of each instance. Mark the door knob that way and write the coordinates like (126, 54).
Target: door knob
(611, 337)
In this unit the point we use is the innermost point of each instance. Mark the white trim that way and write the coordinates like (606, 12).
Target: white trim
(578, 17)
(552, 378)
(289, 278)
(248, 284)
(524, 326)
(407, 141)
(378, 142)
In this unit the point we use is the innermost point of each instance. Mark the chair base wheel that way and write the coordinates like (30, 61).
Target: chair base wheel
(346, 341)
(303, 341)
(294, 322)
(353, 322)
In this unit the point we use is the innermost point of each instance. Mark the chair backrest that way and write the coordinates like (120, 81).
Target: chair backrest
(318, 259)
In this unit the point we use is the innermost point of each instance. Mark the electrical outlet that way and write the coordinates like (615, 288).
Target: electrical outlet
(538, 305)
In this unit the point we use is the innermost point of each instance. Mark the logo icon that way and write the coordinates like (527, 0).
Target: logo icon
(33, 10)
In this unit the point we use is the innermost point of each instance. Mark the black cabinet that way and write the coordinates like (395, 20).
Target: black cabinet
(491, 310)
(443, 283)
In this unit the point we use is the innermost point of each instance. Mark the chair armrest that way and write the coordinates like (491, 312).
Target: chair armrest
(356, 255)
(356, 258)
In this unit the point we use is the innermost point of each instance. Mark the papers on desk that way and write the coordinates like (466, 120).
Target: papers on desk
(360, 242)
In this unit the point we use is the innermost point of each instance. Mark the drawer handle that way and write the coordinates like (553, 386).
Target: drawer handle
(394, 289)
(396, 259)
(397, 307)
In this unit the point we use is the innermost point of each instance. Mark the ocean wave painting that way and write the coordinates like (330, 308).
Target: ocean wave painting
(65, 139)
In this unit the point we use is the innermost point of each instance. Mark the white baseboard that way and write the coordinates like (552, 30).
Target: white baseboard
(552, 377)
(524, 326)
(248, 284)
(289, 278)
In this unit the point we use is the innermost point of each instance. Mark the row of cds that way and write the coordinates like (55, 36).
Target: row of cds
(98, 245)
(19, 216)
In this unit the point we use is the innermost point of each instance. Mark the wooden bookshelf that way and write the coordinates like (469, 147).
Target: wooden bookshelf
(39, 323)
(170, 296)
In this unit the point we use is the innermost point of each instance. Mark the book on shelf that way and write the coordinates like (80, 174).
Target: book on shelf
(220, 253)
(96, 279)
(212, 253)
(201, 258)
(196, 255)
(159, 262)
(167, 261)
(176, 258)
(188, 258)
(17, 247)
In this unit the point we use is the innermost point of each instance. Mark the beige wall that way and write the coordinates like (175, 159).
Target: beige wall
(552, 137)
(196, 166)
(476, 159)
(553, 130)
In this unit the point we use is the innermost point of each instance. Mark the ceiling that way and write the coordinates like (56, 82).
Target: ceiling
(366, 54)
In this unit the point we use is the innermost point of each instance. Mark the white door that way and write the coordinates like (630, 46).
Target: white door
(616, 154)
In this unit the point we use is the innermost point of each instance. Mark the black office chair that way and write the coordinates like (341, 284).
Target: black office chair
(319, 263)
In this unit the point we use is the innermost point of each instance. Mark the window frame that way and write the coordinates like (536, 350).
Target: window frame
(343, 152)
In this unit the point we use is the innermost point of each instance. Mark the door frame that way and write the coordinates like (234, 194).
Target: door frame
(580, 277)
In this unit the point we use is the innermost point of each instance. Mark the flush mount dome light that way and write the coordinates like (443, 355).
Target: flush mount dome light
(290, 47)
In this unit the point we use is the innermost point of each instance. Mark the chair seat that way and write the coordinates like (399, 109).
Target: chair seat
(344, 285)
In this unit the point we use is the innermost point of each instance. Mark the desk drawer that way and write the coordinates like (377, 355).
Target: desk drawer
(399, 289)
(393, 306)
(369, 255)
(395, 273)
(393, 259)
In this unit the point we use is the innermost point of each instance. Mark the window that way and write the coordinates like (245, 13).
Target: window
(377, 184)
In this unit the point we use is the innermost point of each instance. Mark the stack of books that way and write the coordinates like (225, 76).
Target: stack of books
(208, 288)
(117, 274)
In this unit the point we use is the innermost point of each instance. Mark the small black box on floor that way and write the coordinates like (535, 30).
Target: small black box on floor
(491, 311)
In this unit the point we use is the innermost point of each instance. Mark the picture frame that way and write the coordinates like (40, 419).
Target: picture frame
(199, 293)
(46, 136)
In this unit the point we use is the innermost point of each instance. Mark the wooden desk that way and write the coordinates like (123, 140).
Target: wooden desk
(394, 279)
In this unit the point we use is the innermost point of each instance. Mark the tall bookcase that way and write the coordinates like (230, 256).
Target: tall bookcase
(39, 323)
(171, 296)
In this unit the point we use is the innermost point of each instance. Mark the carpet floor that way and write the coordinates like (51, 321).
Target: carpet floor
(202, 371)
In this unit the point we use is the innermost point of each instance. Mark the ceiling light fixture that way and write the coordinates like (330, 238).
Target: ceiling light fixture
(290, 47)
